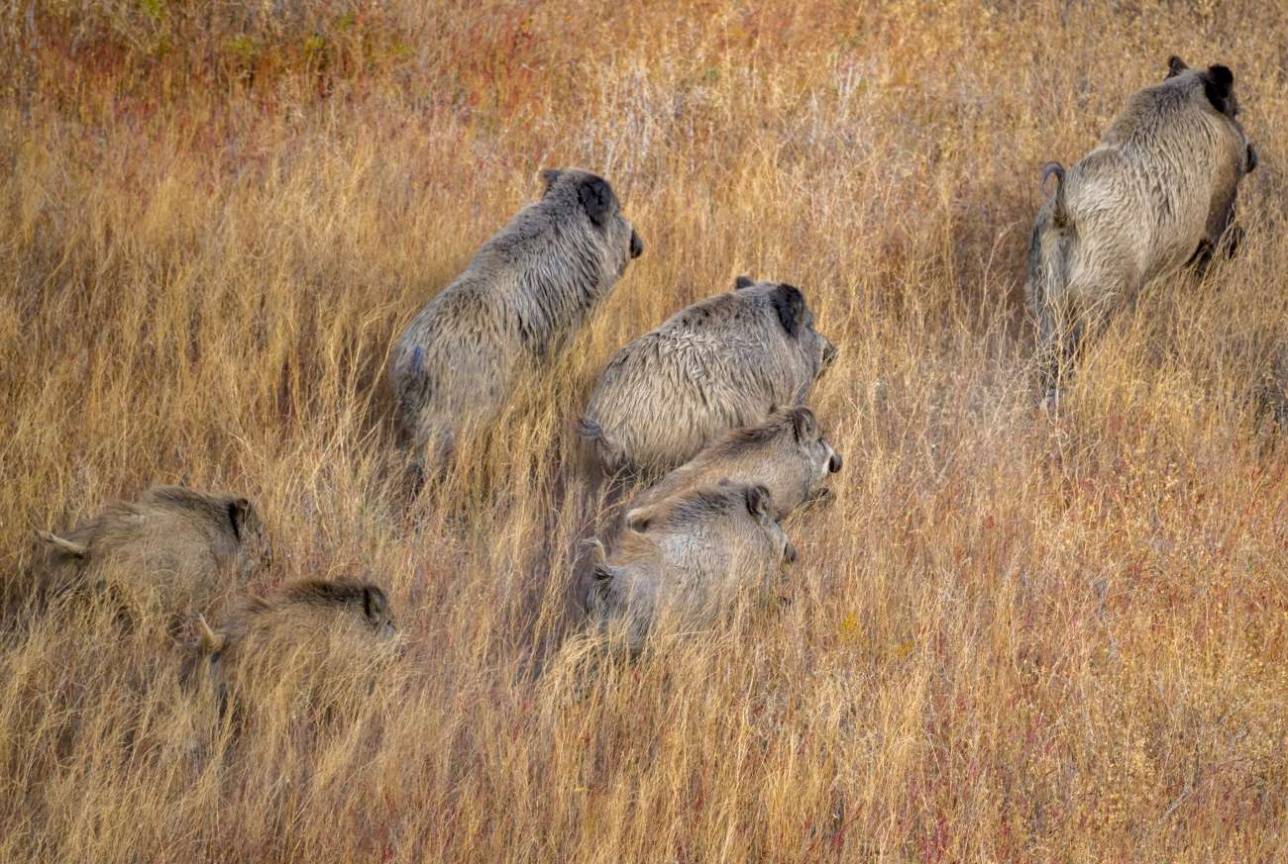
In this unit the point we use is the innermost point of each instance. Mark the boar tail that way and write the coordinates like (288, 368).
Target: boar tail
(596, 440)
(210, 643)
(62, 544)
(1056, 170)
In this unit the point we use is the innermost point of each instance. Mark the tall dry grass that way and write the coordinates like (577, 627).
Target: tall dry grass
(1012, 637)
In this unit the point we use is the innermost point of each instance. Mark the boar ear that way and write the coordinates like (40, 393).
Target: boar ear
(597, 199)
(1218, 84)
(743, 282)
(1222, 77)
(374, 604)
(62, 544)
(640, 519)
(1175, 66)
(548, 177)
(758, 500)
(789, 303)
(240, 513)
(804, 425)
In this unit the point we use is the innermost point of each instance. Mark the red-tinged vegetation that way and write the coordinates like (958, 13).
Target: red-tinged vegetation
(1011, 636)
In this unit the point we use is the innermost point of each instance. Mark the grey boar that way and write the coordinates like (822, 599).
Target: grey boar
(168, 554)
(1157, 192)
(525, 293)
(788, 454)
(723, 363)
(324, 637)
(686, 559)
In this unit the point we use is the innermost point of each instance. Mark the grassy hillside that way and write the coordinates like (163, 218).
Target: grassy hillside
(1011, 637)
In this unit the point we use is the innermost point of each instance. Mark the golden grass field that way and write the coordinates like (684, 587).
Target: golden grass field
(1013, 636)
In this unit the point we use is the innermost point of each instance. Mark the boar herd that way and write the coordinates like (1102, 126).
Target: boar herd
(700, 425)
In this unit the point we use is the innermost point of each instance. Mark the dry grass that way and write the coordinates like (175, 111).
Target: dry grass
(1011, 637)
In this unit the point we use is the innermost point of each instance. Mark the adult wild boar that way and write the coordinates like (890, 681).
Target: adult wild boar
(526, 292)
(787, 454)
(723, 363)
(686, 559)
(1157, 192)
(170, 553)
(322, 637)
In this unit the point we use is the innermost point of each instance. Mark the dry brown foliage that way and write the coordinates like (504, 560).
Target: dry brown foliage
(1011, 637)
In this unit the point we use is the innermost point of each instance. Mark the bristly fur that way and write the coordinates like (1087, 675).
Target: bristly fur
(687, 507)
(787, 453)
(268, 635)
(327, 592)
(364, 598)
(172, 551)
(525, 293)
(690, 555)
(1157, 192)
(721, 364)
